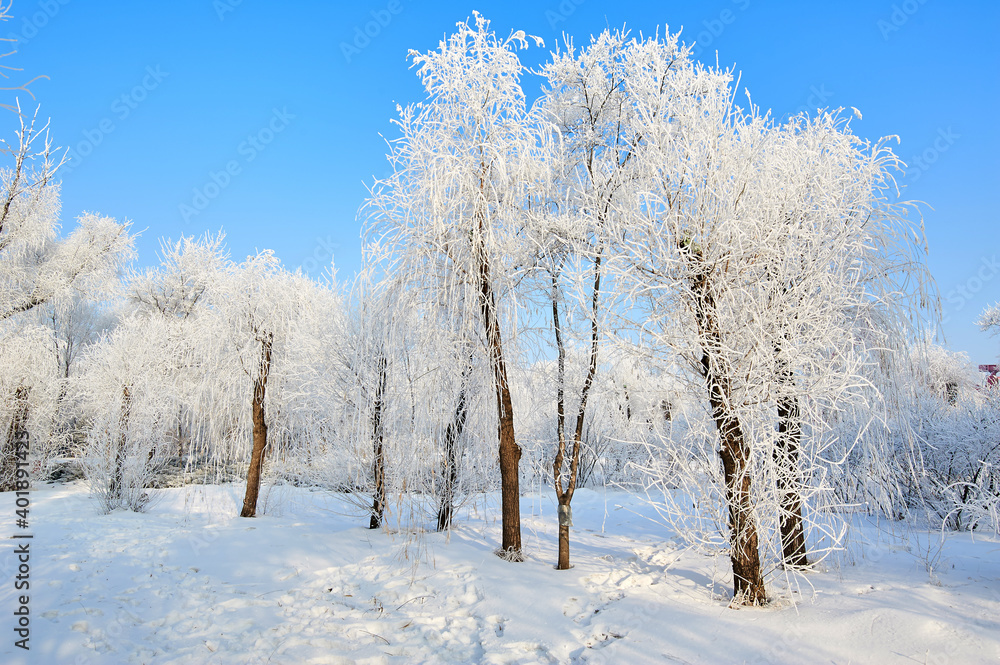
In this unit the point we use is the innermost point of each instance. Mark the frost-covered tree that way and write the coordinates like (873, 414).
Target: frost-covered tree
(30, 389)
(178, 291)
(256, 303)
(957, 427)
(770, 260)
(371, 338)
(697, 156)
(188, 269)
(990, 319)
(587, 102)
(448, 217)
(75, 323)
(126, 396)
(36, 266)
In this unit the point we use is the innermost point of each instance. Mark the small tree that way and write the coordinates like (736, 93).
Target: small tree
(29, 384)
(178, 291)
(126, 395)
(990, 320)
(588, 103)
(257, 303)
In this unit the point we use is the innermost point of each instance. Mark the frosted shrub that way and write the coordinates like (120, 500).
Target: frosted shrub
(124, 391)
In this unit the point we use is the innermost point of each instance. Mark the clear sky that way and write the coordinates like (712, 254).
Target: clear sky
(264, 119)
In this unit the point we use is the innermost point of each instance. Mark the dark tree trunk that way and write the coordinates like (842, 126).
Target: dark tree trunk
(786, 458)
(451, 437)
(117, 489)
(378, 459)
(17, 434)
(259, 429)
(180, 434)
(510, 452)
(734, 451)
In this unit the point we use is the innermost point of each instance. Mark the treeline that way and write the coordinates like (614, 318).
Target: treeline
(638, 280)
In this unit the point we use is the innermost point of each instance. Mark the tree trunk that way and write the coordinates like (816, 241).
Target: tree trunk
(180, 433)
(565, 494)
(734, 451)
(378, 460)
(117, 489)
(259, 429)
(786, 458)
(510, 452)
(17, 436)
(451, 436)
(562, 563)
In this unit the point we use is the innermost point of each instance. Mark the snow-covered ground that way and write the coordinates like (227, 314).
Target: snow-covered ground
(188, 582)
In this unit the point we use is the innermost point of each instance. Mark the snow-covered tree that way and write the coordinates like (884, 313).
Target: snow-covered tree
(587, 102)
(257, 303)
(36, 266)
(448, 217)
(30, 389)
(769, 259)
(125, 389)
(990, 319)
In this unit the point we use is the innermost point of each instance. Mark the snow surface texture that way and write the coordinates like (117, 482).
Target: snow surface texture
(188, 582)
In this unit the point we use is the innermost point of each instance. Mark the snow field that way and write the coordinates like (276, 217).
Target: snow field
(188, 582)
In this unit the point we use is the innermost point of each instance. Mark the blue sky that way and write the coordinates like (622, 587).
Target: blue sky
(272, 113)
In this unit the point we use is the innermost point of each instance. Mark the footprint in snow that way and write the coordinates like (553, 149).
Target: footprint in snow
(499, 623)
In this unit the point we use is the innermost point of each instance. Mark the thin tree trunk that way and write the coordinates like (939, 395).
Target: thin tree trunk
(117, 489)
(565, 494)
(564, 514)
(259, 429)
(378, 461)
(17, 433)
(786, 458)
(180, 433)
(510, 452)
(451, 436)
(734, 451)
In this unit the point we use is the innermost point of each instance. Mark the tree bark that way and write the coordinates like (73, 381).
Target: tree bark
(117, 488)
(786, 458)
(562, 563)
(451, 436)
(510, 452)
(378, 459)
(259, 428)
(564, 495)
(17, 433)
(734, 451)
